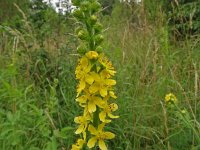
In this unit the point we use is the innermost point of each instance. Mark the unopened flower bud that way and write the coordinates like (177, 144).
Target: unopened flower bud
(98, 28)
(99, 49)
(81, 49)
(93, 19)
(85, 5)
(98, 39)
(95, 6)
(92, 55)
(78, 14)
(83, 35)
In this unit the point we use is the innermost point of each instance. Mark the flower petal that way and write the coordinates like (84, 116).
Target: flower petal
(92, 130)
(95, 76)
(84, 135)
(100, 127)
(91, 142)
(75, 147)
(102, 145)
(80, 129)
(112, 72)
(110, 82)
(109, 135)
(107, 121)
(84, 61)
(105, 74)
(91, 106)
(102, 116)
(78, 119)
(81, 86)
(103, 91)
(112, 116)
(78, 145)
(112, 94)
(82, 99)
(80, 141)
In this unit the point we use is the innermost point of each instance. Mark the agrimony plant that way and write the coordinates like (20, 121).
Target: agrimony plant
(95, 74)
(183, 116)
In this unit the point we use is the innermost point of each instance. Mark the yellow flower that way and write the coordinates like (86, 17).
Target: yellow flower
(101, 84)
(83, 74)
(82, 68)
(78, 145)
(90, 100)
(92, 55)
(170, 98)
(83, 121)
(99, 136)
(107, 110)
(107, 65)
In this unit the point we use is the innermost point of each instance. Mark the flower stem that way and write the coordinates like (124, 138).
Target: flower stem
(188, 123)
(96, 118)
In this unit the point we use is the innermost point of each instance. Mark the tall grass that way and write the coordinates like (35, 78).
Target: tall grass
(149, 66)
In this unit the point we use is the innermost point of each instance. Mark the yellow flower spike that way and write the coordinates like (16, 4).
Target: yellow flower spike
(78, 145)
(92, 55)
(94, 73)
(107, 110)
(171, 98)
(99, 136)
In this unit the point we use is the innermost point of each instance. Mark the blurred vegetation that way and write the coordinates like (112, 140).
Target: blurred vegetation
(154, 45)
(8, 11)
(184, 17)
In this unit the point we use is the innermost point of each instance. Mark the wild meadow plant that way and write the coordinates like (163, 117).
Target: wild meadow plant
(94, 73)
(183, 116)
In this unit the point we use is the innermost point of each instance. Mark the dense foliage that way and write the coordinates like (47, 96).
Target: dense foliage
(185, 18)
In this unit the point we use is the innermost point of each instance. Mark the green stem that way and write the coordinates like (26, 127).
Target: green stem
(96, 122)
(188, 123)
(91, 42)
(90, 31)
(96, 118)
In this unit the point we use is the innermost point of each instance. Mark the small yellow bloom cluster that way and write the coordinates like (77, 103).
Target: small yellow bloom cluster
(94, 93)
(78, 145)
(170, 99)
